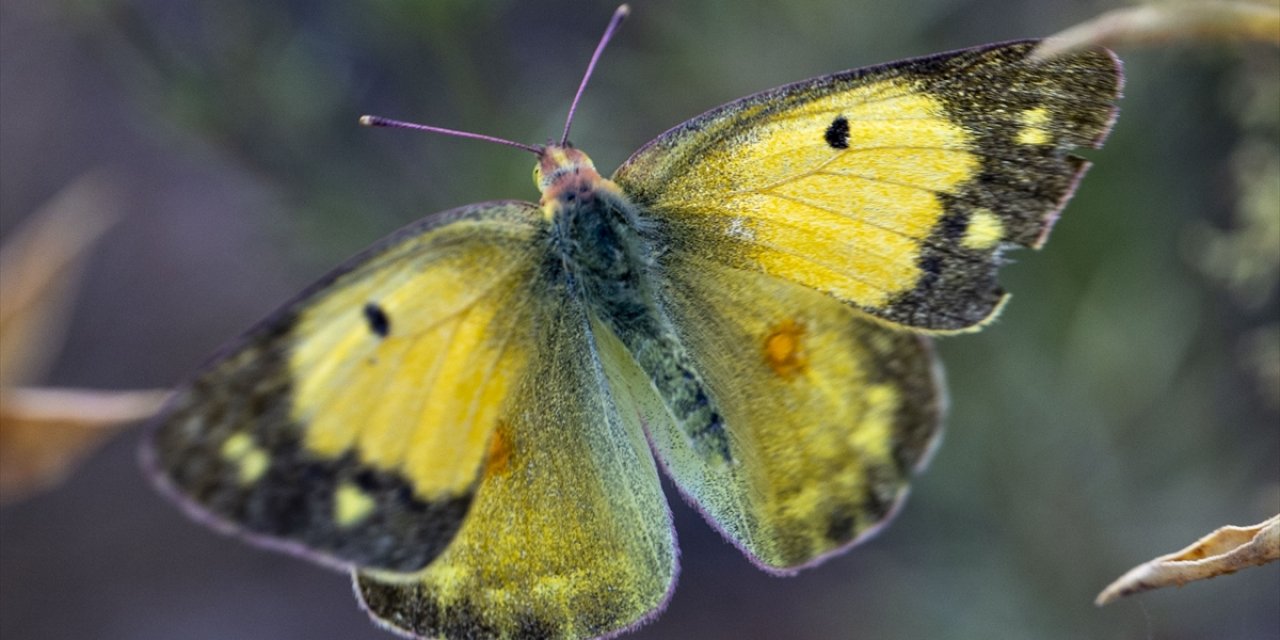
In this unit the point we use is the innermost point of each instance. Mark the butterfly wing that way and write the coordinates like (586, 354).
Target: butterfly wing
(893, 188)
(569, 534)
(352, 424)
(827, 412)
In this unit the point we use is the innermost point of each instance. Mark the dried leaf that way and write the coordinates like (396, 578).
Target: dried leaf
(38, 268)
(1224, 551)
(44, 433)
(1156, 23)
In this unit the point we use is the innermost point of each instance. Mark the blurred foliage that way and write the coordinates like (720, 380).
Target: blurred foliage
(1115, 409)
(1245, 257)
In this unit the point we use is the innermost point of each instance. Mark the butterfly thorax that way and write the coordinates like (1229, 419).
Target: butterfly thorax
(594, 231)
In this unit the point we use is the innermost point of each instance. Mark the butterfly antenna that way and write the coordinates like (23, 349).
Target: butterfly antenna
(379, 121)
(618, 16)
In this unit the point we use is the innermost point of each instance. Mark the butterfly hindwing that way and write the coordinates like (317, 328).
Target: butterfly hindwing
(894, 187)
(827, 412)
(352, 424)
(569, 534)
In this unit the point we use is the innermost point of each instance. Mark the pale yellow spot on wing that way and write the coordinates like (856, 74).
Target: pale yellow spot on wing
(351, 505)
(253, 465)
(875, 431)
(234, 447)
(251, 460)
(1033, 131)
(985, 230)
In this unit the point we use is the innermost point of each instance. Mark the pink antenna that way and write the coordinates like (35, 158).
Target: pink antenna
(618, 16)
(379, 121)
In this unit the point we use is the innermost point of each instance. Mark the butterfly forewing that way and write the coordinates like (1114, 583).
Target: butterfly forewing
(352, 425)
(893, 188)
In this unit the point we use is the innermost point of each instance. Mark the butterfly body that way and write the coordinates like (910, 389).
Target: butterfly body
(609, 249)
(471, 415)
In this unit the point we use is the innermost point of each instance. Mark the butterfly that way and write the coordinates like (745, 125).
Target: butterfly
(471, 416)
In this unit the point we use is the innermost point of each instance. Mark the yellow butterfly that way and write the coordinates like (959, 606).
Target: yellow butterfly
(470, 415)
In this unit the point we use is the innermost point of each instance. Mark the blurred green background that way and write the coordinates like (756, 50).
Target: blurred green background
(1124, 405)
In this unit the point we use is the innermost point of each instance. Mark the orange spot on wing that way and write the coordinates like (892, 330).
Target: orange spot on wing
(499, 459)
(782, 348)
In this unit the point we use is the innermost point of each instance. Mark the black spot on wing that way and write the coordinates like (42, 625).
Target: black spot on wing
(379, 322)
(366, 480)
(837, 135)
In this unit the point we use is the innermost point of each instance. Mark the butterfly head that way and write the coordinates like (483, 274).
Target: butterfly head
(565, 175)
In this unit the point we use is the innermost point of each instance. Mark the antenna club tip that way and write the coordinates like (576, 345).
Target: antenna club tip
(623, 11)
(368, 121)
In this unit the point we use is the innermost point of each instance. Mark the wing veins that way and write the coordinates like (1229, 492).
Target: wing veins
(473, 407)
(943, 248)
(841, 270)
